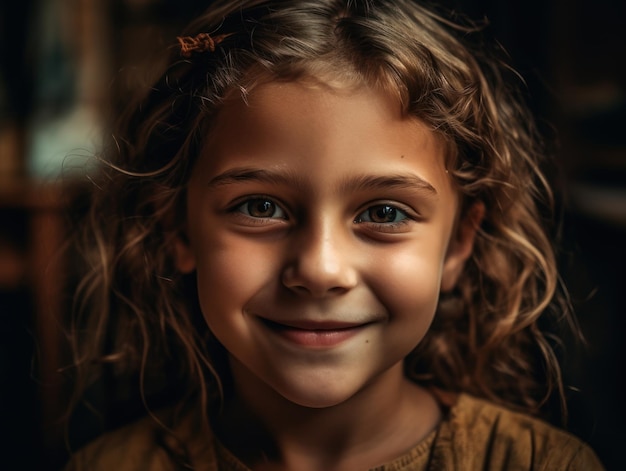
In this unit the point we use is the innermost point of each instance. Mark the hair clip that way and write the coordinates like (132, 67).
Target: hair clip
(201, 42)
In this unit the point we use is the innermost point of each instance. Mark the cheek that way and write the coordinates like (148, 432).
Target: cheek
(409, 284)
(229, 272)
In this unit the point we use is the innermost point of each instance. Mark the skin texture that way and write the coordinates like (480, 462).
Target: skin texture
(322, 226)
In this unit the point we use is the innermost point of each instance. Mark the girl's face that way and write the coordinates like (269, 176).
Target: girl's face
(322, 225)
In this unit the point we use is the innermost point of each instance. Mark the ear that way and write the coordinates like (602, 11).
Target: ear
(175, 227)
(184, 257)
(461, 245)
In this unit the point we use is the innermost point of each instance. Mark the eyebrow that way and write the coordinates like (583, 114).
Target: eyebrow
(245, 174)
(400, 181)
(355, 183)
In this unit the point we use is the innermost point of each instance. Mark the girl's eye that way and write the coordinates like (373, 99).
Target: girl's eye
(382, 214)
(261, 208)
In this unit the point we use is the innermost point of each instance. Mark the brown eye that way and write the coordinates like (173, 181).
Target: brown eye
(382, 214)
(261, 208)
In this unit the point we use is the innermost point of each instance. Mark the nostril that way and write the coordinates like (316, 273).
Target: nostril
(338, 290)
(313, 288)
(298, 289)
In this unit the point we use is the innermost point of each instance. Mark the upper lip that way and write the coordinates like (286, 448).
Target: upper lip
(304, 324)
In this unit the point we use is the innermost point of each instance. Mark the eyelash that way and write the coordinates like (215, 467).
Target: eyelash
(389, 226)
(243, 208)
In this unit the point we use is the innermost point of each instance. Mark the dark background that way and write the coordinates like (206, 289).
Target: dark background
(572, 55)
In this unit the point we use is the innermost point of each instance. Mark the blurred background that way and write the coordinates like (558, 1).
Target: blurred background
(63, 62)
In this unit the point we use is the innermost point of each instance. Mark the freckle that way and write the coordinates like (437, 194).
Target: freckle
(402, 156)
(367, 341)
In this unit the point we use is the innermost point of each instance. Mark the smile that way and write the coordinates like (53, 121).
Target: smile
(314, 334)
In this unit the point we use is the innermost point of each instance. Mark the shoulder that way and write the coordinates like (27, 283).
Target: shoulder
(133, 447)
(153, 443)
(493, 437)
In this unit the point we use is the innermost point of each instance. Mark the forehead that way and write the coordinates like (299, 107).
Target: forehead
(297, 108)
(314, 128)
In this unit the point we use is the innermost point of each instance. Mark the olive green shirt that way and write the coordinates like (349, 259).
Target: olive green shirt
(474, 435)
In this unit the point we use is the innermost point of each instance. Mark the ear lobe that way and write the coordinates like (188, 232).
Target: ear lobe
(184, 258)
(461, 246)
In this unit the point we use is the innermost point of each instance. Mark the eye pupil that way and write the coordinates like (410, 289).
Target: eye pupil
(261, 208)
(383, 214)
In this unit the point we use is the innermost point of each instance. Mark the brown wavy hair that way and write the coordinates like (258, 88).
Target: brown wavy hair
(138, 318)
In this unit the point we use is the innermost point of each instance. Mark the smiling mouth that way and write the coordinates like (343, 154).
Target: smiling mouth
(314, 334)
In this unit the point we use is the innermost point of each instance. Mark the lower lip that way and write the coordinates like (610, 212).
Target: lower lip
(315, 338)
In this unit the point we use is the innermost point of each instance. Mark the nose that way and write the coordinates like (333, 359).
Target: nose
(320, 262)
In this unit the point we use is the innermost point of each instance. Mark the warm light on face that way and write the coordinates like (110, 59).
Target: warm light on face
(320, 224)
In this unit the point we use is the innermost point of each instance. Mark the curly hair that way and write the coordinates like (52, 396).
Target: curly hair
(139, 315)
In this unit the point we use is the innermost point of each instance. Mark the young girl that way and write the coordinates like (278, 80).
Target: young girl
(320, 233)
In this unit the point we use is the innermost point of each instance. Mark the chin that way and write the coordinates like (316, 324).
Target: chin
(319, 398)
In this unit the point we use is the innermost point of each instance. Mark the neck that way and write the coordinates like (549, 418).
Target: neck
(379, 423)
